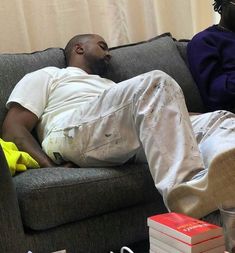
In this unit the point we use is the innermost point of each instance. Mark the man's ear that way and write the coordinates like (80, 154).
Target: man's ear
(79, 48)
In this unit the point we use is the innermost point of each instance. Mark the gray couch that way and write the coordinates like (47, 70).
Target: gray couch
(85, 210)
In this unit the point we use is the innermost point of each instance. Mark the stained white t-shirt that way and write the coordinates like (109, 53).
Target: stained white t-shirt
(50, 93)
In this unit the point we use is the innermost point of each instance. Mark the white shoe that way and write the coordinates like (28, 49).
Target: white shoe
(202, 196)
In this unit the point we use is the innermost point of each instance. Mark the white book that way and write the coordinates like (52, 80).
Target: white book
(162, 245)
(185, 247)
(220, 249)
(158, 249)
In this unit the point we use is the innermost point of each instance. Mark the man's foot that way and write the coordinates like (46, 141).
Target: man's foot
(202, 196)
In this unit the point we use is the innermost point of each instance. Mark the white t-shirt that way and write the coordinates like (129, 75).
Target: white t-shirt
(50, 93)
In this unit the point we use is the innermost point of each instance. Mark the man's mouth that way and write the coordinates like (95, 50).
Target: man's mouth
(107, 59)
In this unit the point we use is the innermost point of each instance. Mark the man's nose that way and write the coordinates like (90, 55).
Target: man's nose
(108, 56)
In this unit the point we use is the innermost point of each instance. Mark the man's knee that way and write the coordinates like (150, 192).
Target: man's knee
(160, 79)
(156, 74)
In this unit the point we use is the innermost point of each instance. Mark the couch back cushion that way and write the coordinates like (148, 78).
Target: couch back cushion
(159, 53)
(182, 48)
(14, 66)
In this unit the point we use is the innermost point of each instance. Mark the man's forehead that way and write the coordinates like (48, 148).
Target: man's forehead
(95, 39)
(99, 38)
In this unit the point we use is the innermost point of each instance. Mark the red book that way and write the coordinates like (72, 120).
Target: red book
(184, 228)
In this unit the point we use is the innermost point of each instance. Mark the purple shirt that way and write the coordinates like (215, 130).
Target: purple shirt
(211, 56)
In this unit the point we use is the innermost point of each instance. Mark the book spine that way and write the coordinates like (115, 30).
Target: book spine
(162, 245)
(156, 249)
(200, 247)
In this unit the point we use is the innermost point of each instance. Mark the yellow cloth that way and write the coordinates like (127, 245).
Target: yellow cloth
(17, 160)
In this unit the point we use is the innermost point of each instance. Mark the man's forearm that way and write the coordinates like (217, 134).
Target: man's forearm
(26, 142)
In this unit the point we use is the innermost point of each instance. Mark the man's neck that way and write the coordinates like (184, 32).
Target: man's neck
(83, 67)
(225, 27)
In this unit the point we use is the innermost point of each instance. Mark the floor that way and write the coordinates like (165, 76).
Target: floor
(140, 247)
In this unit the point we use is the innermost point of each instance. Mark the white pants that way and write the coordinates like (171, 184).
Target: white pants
(215, 133)
(146, 113)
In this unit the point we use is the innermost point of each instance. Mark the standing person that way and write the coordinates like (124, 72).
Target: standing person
(92, 121)
(211, 56)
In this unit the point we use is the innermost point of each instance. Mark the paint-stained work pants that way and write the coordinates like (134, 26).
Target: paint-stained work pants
(146, 113)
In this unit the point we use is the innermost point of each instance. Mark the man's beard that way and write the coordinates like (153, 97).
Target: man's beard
(98, 66)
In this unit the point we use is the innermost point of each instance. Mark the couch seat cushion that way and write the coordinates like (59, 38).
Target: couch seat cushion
(51, 197)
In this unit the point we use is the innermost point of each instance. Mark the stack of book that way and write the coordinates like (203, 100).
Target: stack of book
(178, 233)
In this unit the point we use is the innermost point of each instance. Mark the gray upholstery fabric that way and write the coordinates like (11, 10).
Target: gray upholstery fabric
(182, 48)
(159, 53)
(86, 192)
(98, 234)
(14, 66)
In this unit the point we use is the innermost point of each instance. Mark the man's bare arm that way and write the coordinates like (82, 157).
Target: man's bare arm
(17, 128)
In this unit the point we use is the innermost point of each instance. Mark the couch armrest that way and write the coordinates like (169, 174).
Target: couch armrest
(12, 238)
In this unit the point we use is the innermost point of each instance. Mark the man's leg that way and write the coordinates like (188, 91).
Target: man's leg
(215, 133)
(147, 111)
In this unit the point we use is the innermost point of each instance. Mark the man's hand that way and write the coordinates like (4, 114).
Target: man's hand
(17, 128)
(69, 165)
